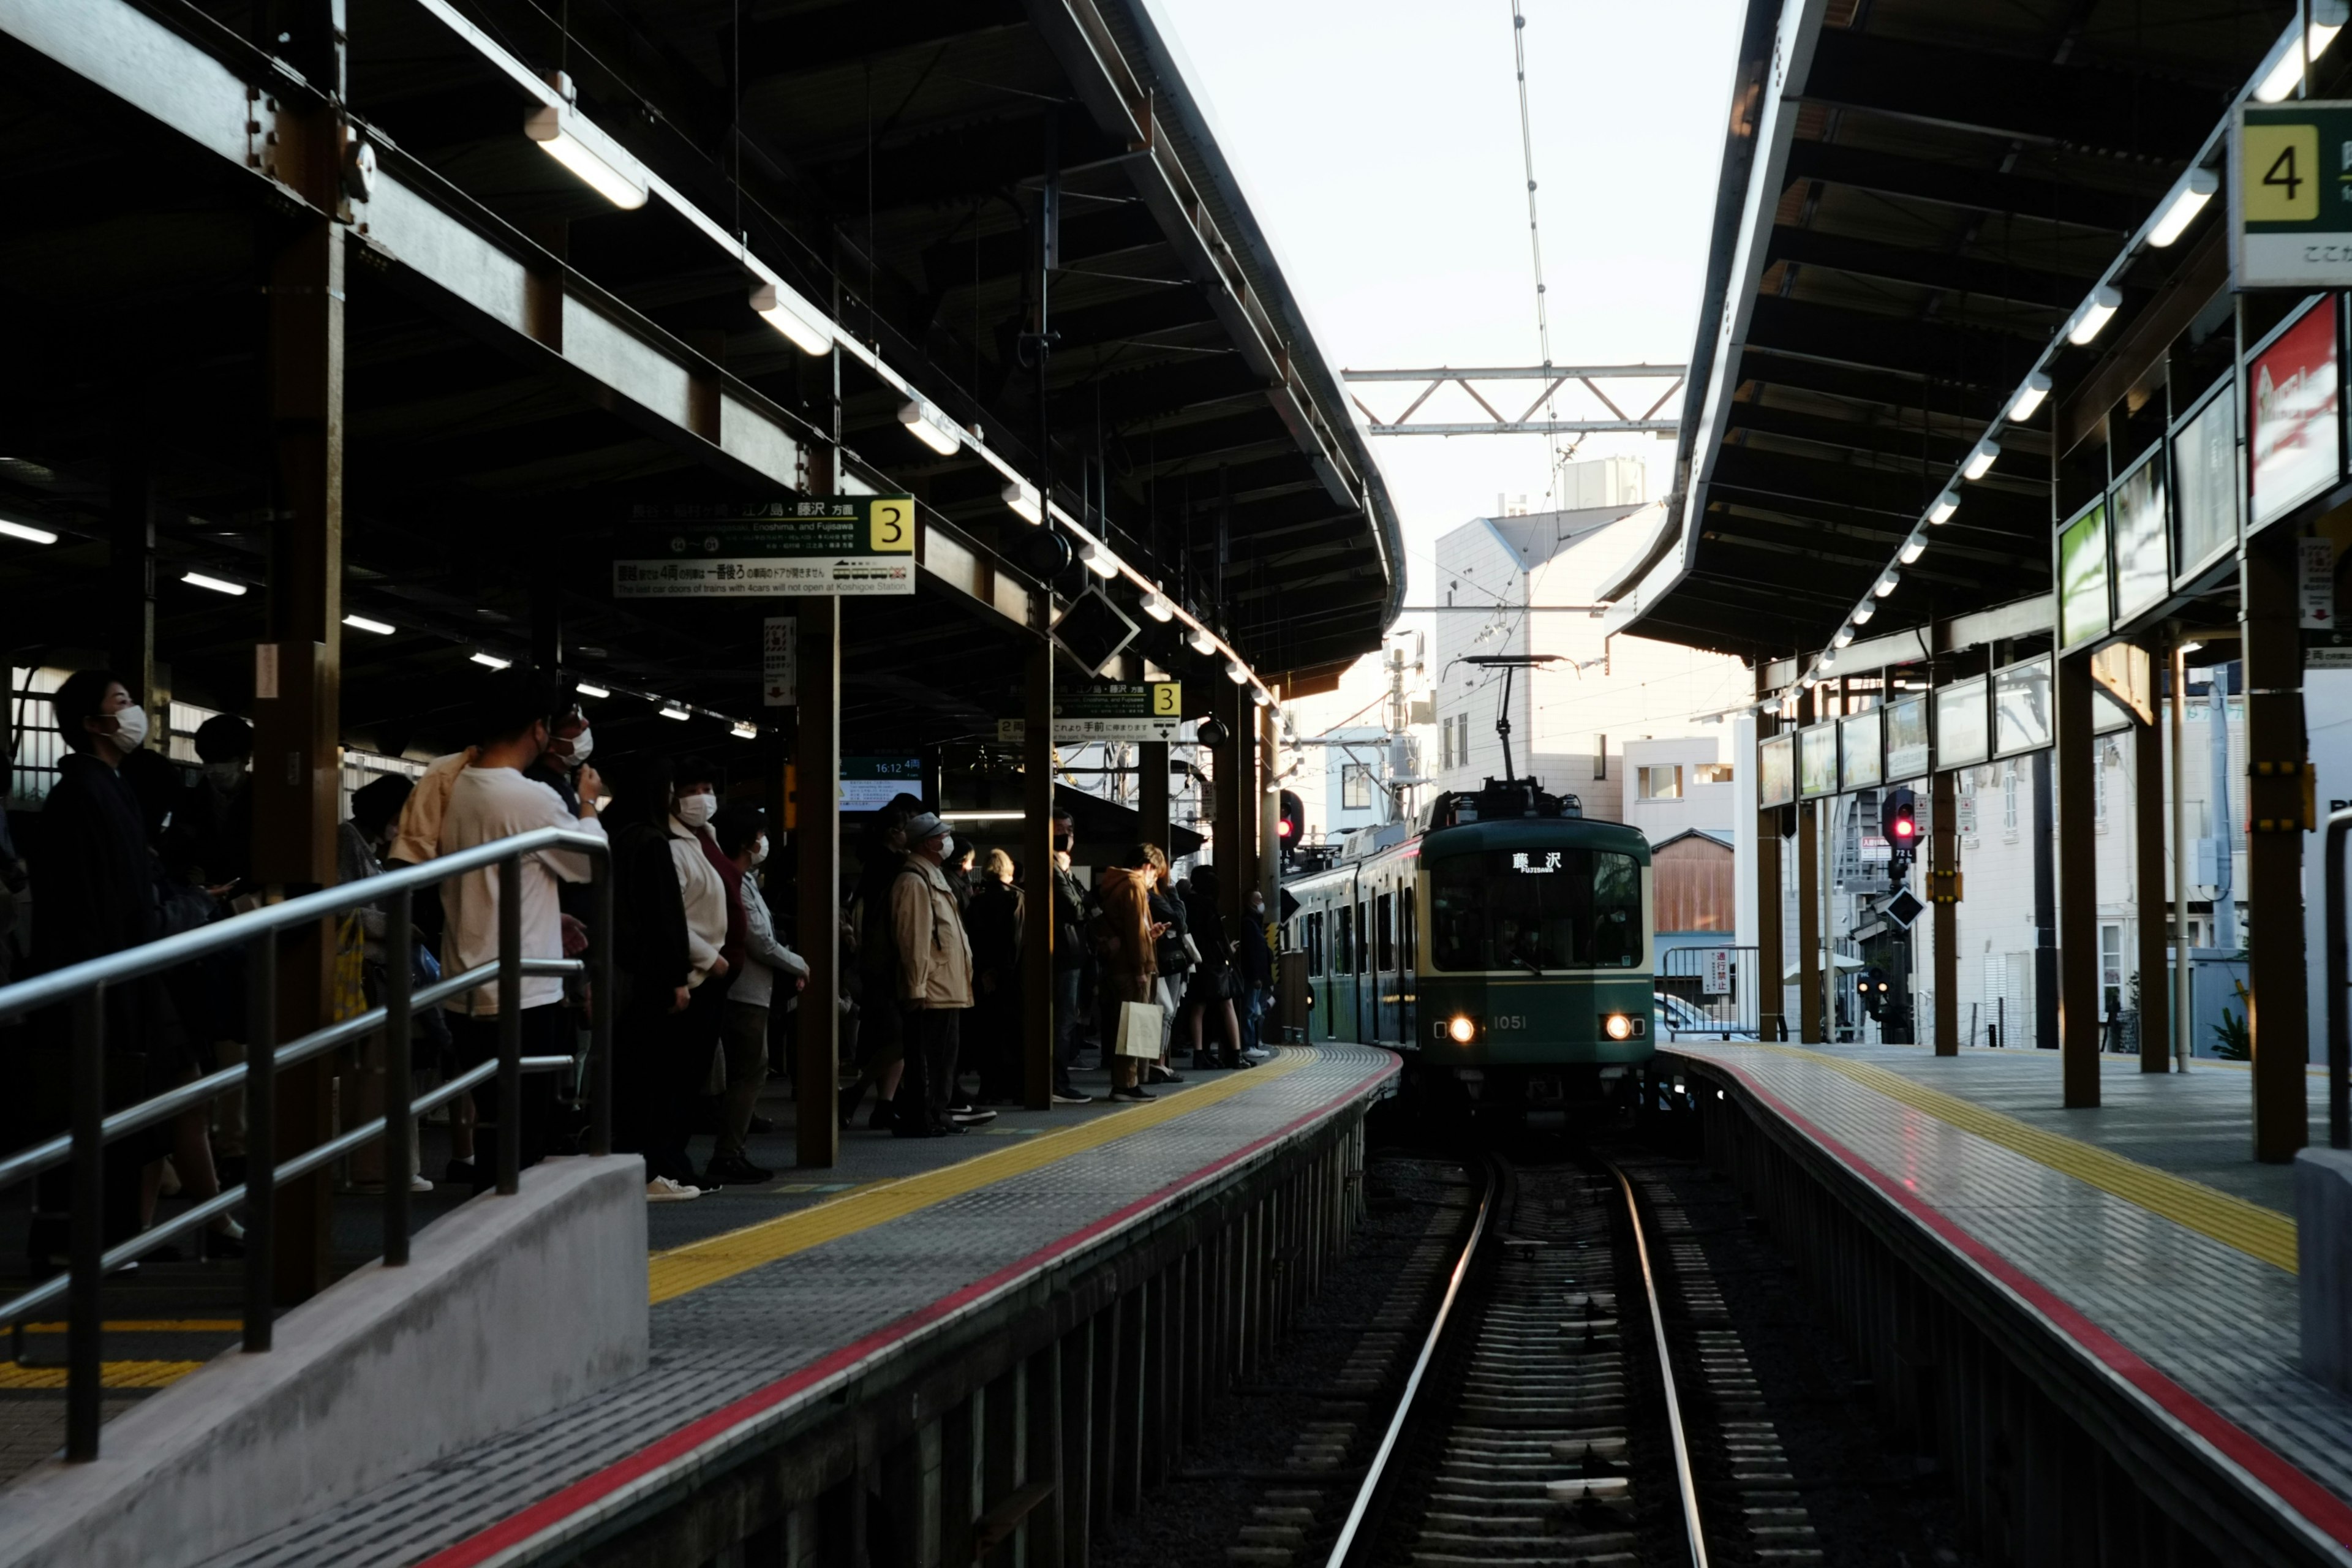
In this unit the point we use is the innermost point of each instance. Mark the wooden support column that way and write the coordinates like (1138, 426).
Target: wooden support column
(1238, 789)
(816, 1077)
(1152, 792)
(1772, 995)
(1943, 885)
(1810, 1021)
(298, 673)
(2149, 895)
(2276, 795)
(2076, 847)
(1037, 1020)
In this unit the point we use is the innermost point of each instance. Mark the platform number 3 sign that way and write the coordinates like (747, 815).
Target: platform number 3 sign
(893, 527)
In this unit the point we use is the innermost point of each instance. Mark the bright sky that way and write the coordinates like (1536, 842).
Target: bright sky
(1379, 142)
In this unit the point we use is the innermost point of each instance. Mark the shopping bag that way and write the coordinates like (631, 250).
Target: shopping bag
(1138, 1029)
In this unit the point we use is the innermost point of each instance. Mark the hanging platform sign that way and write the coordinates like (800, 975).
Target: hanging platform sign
(1110, 710)
(852, 546)
(2290, 207)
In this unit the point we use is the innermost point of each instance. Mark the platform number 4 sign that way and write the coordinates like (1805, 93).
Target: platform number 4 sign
(2291, 195)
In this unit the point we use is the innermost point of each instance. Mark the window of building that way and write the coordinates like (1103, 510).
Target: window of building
(1355, 786)
(2100, 762)
(1599, 756)
(2111, 969)
(1661, 783)
(1711, 773)
(2008, 799)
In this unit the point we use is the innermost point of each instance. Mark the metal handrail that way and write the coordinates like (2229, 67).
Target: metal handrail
(84, 986)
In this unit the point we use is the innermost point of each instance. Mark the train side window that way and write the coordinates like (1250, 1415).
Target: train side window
(1343, 951)
(1314, 944)
(1384, 923)
(1412, 935)
(1363, 936)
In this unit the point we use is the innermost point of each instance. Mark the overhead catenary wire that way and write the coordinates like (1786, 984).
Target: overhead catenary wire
(1535, 246)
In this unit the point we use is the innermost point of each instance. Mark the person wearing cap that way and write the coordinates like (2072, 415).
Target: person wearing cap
(934, 979)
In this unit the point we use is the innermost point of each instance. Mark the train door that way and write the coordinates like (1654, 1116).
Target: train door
(1343, 976)
(1409, 964)
(1385, 982)
(1364, 976)
(1318, 980)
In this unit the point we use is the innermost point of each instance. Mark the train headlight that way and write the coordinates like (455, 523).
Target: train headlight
(1617, 1026)
(1461, 1030)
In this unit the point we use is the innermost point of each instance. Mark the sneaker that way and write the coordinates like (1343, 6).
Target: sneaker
(1072, 1096)
(662, 1190)
(1162, 1075)
(733, 1170)
(1133, 1094)
(969, 1115)
(1258, 1054)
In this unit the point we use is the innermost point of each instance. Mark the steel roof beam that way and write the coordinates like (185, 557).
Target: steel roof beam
(1959, 186)
(1965, 355)
(1936, 270)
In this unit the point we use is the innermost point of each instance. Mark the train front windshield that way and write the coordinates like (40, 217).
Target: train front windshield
(1535, 908)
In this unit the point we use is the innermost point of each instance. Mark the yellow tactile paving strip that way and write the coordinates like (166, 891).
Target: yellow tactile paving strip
(2257, 1232)
(113, 1374)
(682, 1270)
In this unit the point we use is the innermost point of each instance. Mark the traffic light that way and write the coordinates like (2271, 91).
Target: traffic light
(1291, 826)
(1898, 818)
(1871, 983)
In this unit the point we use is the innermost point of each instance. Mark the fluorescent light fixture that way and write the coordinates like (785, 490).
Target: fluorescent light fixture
(1887, 585)
(1022, 496)
(217, 585)
(672, 711)
(1237, 672)
(1844, 637)
(929, 426)
(2096, 312)
(799, 320)
(1863, 612)
(2189, 647)
(1982, 461)
(1809, 681)
(1258, 695)
(363, 624)
(584, 150)
(1156, 606)
(2189, 199)
(744, 731)
(1827, 662)
(1945, 506)
(26, 530)
(587, 689)
(1913, 548)
(492, 661)
(2327, 19)
(982, 815)
(1203, 642)
(1099, 560)
(2029, 397)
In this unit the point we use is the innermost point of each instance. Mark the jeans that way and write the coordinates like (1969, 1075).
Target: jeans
(743, 1035)
(928, 1086)
(1246, 1004)
(1066, 1022)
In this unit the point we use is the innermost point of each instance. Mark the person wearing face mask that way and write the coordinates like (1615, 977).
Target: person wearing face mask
(1073, 910)
(741, 832)
(219, 810)
(570, 744)
(93, 894)
(934, 983)
(491, 799)
(708, 884)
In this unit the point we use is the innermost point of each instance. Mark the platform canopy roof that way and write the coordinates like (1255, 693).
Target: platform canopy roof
(889, 164)
(1917, 201)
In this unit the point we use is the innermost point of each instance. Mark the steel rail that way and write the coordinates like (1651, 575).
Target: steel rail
(1666, 1377)
(1376, 1474)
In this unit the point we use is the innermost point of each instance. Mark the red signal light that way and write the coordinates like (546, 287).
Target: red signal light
(1905, 827)
(1282, 830)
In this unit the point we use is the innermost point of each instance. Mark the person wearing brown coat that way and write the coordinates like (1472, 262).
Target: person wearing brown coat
(934, 987)
(1128, 971)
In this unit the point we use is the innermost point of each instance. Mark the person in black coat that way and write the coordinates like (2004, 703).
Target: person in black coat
(93, 894)
(651, 966)
(1208, 997)
(993, 920)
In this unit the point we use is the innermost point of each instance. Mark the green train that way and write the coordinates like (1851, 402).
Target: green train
(1503, 948)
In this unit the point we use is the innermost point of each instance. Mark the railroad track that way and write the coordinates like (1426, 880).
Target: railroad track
(1581, 1398)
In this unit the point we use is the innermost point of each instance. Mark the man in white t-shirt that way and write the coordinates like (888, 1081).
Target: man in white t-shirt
(491, 800)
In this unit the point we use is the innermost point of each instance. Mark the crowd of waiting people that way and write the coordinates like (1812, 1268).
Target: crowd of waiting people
(131, 850)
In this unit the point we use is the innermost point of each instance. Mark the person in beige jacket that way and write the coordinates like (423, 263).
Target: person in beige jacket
(934, 980)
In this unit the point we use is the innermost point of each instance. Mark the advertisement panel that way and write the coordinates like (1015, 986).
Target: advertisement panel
(2296, 448)
(2082, 578)
(2204, 490)
(1776, 771)
(2142, 573)
(1858, 750)
(1817, 760)
(1905, 734)
(1963, 724)
(2021, 704)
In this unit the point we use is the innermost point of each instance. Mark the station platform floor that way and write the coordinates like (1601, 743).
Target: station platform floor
(2141, 1233)
(767, 1298)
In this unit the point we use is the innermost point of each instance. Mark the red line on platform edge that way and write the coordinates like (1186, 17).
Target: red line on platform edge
(2273, 1470)
(517, 1529)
